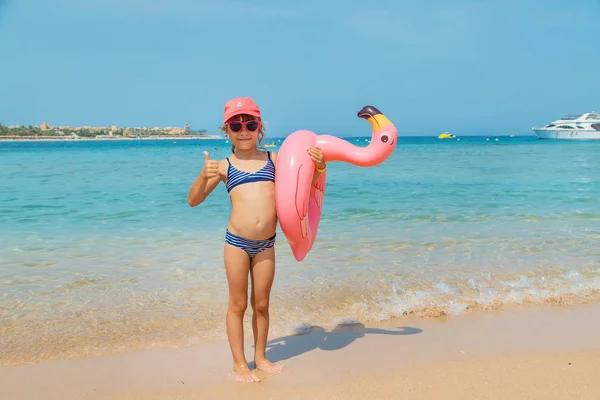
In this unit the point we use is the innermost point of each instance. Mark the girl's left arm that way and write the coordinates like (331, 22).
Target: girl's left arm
(317, 156)
(274, 158)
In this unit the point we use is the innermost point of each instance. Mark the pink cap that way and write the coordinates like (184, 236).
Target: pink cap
(240, 105)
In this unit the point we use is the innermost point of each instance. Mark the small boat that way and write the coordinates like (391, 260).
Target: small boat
(270, 144)
(446, 135)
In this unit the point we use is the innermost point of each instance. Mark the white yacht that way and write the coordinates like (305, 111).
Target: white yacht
(572, 127)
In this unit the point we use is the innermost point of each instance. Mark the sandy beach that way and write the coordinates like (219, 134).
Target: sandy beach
(548, 352)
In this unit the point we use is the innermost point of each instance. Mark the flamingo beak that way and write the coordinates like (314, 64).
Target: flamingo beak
(377, 120)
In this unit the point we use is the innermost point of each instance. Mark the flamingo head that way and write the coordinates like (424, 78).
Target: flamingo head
(384, 133)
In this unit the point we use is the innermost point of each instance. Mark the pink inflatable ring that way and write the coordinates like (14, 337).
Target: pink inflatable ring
(299, 203)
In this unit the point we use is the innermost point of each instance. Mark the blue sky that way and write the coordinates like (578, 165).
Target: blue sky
(469, 67)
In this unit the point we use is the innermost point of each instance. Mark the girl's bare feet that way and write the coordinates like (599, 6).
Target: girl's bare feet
(268, 367)
(243, 374)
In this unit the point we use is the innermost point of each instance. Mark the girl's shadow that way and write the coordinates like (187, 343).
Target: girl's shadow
(341, 336)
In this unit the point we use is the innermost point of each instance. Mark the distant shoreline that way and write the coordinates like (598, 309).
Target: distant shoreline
(58, 139)
(207, 137)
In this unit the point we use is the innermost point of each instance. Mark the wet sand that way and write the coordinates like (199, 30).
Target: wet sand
(517, 353)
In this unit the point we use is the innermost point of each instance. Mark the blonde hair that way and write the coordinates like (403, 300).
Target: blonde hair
(246, 117)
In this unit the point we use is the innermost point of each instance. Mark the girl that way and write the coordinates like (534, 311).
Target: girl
(249, 176)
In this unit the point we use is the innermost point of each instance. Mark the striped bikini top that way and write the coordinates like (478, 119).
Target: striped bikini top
(236, 177)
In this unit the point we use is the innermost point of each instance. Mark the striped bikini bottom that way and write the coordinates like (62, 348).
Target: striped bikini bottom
(251, 247)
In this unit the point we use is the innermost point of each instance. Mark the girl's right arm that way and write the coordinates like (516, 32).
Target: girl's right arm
(207, 181)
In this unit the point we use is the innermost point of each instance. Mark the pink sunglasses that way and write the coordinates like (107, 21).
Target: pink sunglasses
(237, 126)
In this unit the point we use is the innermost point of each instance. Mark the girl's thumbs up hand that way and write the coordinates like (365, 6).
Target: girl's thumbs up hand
(211, 167)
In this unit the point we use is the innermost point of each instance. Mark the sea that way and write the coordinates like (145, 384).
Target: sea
(101, 254)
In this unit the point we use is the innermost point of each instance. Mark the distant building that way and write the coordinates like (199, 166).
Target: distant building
(186, 128)
(45, 126)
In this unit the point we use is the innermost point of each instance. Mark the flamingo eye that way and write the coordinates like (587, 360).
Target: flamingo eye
(385, 138)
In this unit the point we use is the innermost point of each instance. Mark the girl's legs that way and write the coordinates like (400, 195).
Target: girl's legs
(262, 272)
(237, 265)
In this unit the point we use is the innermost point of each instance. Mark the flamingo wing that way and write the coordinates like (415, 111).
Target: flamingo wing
(304, 197)
(319, 191)
(303, 180)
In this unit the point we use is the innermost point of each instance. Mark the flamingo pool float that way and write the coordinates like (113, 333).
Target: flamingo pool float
(299, 202)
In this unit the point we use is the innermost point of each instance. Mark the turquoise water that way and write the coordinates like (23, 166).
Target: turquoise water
(101, 253)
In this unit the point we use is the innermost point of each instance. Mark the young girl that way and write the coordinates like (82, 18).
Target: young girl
(249, 177)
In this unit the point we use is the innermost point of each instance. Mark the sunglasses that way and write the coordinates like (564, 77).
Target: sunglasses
(236, 126)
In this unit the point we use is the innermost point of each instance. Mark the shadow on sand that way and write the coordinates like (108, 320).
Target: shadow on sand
(318, 338)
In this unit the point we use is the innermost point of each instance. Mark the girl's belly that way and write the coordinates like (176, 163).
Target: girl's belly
(253, 214)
